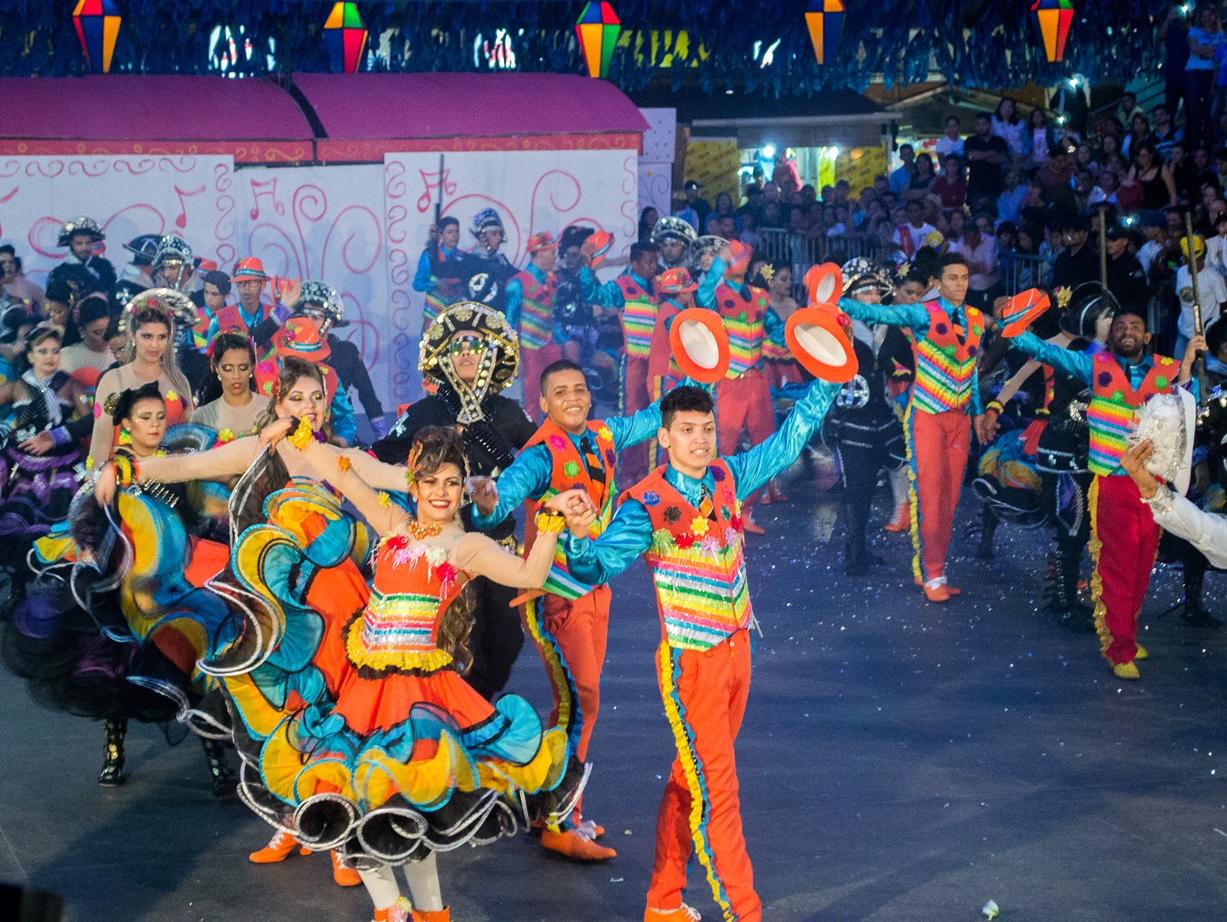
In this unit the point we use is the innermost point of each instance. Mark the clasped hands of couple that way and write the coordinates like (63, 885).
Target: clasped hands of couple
(575, 504)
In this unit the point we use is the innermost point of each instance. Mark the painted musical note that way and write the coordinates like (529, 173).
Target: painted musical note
(431, 183)
(181, 218)
(268, 188)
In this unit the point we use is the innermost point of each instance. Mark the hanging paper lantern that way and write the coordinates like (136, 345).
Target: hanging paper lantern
(598, 30)
(825, 19)
(97, 23)
(1054, 18)
(346, 35)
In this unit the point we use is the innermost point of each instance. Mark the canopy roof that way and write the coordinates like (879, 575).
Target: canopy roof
(332, 117)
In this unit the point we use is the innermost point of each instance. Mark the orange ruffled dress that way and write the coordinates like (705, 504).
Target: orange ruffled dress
(358, 733)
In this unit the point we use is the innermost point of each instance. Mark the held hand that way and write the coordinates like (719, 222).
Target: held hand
(1134, 463)
(726, 254)
(986, 426)
(277, 430)
(39, 444)
(1196, 344)
(485, 494)
(999, 306)
(570, 502)
(432, 235)
(580, 522)
(104, 486)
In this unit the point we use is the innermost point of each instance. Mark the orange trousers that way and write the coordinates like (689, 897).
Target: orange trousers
(1124, 541)
(634, 460)
(744, 402)
(533, 362)
(937, 451)
(705, 699)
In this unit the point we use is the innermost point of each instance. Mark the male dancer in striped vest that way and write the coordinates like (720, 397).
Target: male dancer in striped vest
(530, 296)
(685, 519)
(946, 336)
(1124, 536)
(633, 295)
(743, 398)
(569, 624)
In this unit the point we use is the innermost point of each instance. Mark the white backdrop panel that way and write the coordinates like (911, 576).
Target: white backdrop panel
(325, 223)
(533, 191)
(128, 195)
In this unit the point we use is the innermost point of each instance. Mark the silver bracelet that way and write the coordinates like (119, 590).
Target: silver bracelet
(1161, 502)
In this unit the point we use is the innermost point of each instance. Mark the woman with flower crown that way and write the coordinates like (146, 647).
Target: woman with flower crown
(149, 319)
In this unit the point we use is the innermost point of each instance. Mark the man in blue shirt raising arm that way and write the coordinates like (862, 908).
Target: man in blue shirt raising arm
(685, 519)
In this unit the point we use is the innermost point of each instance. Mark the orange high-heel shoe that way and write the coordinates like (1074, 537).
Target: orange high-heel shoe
(278, 849)
(903, 521)
(345, 877)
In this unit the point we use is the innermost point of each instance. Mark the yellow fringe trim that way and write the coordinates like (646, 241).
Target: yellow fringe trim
(550, 656)
(913, 496)
(690, 768)
(1096, 546)
(359, 655)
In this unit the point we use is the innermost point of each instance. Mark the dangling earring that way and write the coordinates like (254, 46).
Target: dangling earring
(125, 437)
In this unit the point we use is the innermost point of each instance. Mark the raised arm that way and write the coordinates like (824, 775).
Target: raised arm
(481, 556)
(381, 514)
(528, 477)
(706, 295)
(220, 464)
(752, 469)
(639, 427)
(915, 316)
(597, 562)
(1072, 364)
(376, 473)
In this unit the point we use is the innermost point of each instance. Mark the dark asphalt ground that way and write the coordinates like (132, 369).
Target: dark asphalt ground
(899, 761)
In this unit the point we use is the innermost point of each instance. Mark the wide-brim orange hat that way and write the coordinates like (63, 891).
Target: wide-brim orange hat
(249, 269)
(739, 255)
(598, 246)
(824, 284)
(300, 336)
(675, 281)
(1022, 310)
(700, 344)
(542, 241)
(818, 339)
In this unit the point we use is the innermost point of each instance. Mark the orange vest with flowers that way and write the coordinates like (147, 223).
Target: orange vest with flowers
(743, 321)
(945, 365)
(1114, 405)
(572, 470)
(638, 315)
(537, 310)
(697, 561)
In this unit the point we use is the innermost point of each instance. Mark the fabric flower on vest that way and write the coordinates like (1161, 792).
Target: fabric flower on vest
(685, 541)
(651, 499)
(698, 525)
(557, 442)
(673, 515)
(605, 434)
(710, 545)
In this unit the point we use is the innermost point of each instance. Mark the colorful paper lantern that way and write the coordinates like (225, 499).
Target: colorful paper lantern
(825, 19)
(1054, 18)
(598, 29)
(97, 23)
(346, 35)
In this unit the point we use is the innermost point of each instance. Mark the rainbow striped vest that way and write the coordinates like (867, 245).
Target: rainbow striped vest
(945, 365)
(1114, 406)
(743, 321)
(537, 310)
(697, 563)
(638, 315)
(397, 632)
(570, 470)
(776, 350)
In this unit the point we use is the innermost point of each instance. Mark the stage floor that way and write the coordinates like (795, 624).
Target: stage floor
(899, 761)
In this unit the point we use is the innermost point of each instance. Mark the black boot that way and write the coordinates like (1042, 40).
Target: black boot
(112, 775)
(988, 530)
(857, 558)
(1063, 599)
(224, 781)
(1195, 613)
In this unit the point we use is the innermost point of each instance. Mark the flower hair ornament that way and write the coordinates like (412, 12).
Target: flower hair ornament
(411, 463)
(177, 307)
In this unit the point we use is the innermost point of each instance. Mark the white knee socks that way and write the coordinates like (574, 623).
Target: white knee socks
(423, 878)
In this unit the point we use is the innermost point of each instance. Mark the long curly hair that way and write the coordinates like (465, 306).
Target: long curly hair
(156, 315)
(293, 368)
(435, 447)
